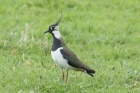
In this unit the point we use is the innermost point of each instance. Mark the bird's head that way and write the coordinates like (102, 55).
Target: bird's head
(54, 27)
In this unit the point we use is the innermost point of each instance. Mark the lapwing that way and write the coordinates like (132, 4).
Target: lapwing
(63, 56)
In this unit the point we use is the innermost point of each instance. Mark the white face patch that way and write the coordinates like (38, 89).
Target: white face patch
(56, 27)
(57, 34)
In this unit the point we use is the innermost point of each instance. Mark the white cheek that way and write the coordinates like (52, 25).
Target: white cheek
(57, 34)
(57, 27)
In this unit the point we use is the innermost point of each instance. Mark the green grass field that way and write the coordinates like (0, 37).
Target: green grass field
(104, 34)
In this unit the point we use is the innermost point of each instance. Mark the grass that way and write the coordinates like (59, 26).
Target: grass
(104, 35)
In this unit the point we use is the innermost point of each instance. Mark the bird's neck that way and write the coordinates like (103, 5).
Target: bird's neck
(57, 41)
(56, 34)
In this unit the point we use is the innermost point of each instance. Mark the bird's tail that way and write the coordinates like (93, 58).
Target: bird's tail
(90, 72)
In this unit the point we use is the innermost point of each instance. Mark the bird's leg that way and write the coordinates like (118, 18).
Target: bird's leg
(63, 74)
(67, 76)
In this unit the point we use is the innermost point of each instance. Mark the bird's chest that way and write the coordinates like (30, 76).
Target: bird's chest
(59, 60)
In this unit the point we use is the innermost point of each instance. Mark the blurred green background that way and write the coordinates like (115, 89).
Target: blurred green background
(104, 34)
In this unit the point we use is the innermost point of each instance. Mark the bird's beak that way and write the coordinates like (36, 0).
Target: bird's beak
(46, 31)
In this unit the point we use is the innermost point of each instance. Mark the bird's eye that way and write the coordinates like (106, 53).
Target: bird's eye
(52, 27)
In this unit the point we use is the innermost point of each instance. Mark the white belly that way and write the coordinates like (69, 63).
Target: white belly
(59, 60)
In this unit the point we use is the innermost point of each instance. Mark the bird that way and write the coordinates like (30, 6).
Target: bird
(63, 56)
